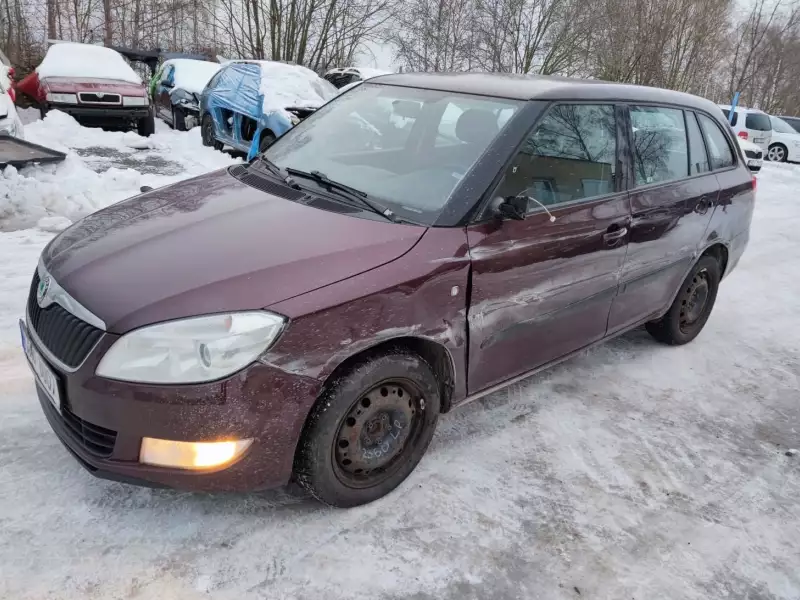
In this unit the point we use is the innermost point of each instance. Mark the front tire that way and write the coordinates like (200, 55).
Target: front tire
(146, 126)
(178, 119)
(267, 139)
(368, 430)
(690, 311)
(777, 153)
(207, 133)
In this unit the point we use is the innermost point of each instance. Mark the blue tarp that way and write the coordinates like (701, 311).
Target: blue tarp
(236, 89)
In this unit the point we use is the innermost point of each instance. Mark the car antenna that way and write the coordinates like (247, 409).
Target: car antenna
(552, 218)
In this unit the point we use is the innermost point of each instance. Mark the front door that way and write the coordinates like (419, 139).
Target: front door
(542, 288)
(163, 89)
(671, 204)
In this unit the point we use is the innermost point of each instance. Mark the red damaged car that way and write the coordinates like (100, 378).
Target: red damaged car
(94, 84)
(418, 242)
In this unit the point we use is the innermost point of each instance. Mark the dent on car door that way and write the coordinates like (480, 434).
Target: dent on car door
(540, 288)
(671, 205)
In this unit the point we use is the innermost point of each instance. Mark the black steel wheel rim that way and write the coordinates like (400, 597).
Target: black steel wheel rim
(378, 433)
(694, 300)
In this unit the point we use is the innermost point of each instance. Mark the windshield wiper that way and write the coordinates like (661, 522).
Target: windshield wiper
(278, 172)
(347, 192)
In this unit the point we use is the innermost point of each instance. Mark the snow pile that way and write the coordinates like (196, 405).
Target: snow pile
(192, 75)
(50, 196)
(284, 86)
(85, 61)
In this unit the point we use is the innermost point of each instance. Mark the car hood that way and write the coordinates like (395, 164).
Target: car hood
(212, 244)
(71, 85)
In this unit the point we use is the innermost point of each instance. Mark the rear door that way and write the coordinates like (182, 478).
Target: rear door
(672, 200)
(543, 288)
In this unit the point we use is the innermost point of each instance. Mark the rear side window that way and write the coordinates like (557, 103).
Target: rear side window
(757, 122)
(571, 155)
(698, 159)
(719, 149)
(659, 144)
(727, 114)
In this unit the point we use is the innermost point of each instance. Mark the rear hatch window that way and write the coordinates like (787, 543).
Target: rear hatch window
(758, 122)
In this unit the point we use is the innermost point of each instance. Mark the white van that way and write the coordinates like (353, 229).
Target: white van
(750, 124)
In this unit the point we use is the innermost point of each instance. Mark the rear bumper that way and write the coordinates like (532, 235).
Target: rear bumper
(111, 113)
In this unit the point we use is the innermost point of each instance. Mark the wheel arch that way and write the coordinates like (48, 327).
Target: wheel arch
(720, 252)
(435, 354)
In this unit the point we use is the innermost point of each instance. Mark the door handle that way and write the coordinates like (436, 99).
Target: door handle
(614, 234)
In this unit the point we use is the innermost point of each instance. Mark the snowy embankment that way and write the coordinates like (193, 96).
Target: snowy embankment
(101, 168)
(632, 471)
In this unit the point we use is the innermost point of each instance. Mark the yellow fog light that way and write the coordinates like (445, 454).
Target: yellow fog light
(190, 455)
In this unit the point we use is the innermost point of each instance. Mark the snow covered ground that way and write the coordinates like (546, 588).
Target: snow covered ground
(633, 471)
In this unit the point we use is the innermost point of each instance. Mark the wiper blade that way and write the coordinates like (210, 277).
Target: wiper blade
(277, 171)
(347, 192)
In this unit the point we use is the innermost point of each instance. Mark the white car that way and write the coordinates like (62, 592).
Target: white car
(750, 124)
(785, 144)
(345, 76)
(10, 122)
(753, 155)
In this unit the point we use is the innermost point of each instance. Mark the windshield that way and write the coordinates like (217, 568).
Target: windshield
(782, 126)
(408, 148)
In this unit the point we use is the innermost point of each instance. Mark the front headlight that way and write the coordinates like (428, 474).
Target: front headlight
(134, 101)
(9, 126)
(63, 98)
(294, 118)
(191, 350)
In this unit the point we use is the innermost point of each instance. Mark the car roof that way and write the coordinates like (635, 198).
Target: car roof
(540, 87)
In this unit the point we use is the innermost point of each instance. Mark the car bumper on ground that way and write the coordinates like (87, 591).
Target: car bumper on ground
(102, 422)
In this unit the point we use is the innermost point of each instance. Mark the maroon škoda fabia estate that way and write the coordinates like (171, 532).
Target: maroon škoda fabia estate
(418, 242)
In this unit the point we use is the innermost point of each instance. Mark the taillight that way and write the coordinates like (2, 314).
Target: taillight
(11, 72)
(755, 181)
(743, 135)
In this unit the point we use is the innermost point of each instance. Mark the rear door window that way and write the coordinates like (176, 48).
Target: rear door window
(659, 144)
(719, 149)
(757, 122)
(698, 159)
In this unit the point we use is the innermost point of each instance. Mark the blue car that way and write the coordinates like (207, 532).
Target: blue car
(249, 104)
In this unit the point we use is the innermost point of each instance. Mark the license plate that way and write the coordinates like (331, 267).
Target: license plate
(759, 140)
(41, 370)
(754, 162)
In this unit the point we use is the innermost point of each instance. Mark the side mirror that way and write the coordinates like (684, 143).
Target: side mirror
(513, 207)
(145, 188)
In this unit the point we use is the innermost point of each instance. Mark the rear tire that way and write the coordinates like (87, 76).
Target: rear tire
(178, 119)
(207, 133)
(368, 430)
(146, 126)
(777, 153)
(690, 311)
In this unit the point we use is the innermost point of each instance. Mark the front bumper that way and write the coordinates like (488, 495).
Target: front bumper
(260, 402)
(110, 113)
